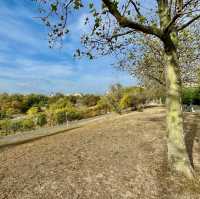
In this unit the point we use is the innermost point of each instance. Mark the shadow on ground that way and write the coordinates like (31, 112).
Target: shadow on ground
(192, 134)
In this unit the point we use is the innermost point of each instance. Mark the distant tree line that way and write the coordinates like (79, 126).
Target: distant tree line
(26, 112)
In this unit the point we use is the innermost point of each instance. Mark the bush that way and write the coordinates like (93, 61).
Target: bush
(2, 114)
(12, 126)
(27, 124)
(114, 96)
(103, 105)
(10, 112)
(33, 100)
(16, 126)
(33, 111)
(73, 115)
(127, 101)
(62, 103)
(8, 126)
(92, 112)
(41, 119)
(59, 117)
(112, 103)
(5, 127)
(90, 100)
(133, 101)
(191, 96)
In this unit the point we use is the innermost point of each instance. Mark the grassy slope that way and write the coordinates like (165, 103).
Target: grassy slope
(122, 157)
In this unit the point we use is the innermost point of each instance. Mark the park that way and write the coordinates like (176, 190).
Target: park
(100, 99)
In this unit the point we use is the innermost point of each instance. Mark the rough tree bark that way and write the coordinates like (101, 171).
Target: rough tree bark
(178, 157)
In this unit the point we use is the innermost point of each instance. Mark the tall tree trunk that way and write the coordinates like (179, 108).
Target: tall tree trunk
(178, 157)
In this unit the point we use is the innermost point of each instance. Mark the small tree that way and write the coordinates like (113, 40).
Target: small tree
(103, 104)
(133, 97)
(128, 101)
(114, 96)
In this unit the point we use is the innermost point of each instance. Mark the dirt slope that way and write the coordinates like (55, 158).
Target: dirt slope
(122, 157)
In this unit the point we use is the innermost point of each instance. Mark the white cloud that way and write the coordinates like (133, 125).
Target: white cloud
(27, 68)
(22, 33)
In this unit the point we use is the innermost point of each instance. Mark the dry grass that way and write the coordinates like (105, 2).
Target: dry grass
(122, 157)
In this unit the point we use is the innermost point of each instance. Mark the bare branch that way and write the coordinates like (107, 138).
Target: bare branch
(125, 22)
(187, 4)
(156, 79)
(136, 8)
(169, 27)
(188, 23)
(120, 34)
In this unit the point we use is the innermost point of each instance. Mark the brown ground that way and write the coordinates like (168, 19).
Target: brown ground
(121, 157)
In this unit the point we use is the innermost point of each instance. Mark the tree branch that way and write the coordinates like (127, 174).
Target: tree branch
(120, 34)
(179, 14)
(125, 22)
(187, 3)
(169, 27)
(136, 8)
(188, 23)
(156, 79)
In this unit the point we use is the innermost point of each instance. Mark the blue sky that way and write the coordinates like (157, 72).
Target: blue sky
(28, 65)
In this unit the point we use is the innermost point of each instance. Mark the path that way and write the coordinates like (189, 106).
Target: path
(121, 158)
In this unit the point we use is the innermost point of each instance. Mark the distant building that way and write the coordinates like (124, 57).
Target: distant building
(77, 94)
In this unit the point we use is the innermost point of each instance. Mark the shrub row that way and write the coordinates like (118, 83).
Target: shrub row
(12, 126)
(93, 111)
(60, 116)
(50, 118)
(60, 113)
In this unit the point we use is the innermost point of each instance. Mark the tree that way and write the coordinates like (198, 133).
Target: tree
(104, 105)
(114, 96)
(61, 103)
(90, 100)
(33, 100)
(150, 69)
(118, 24)
(133, 97)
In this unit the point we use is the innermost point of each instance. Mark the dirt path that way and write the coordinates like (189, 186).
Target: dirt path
(121, 157)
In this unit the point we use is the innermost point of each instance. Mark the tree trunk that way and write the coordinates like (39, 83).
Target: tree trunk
(178, 157)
